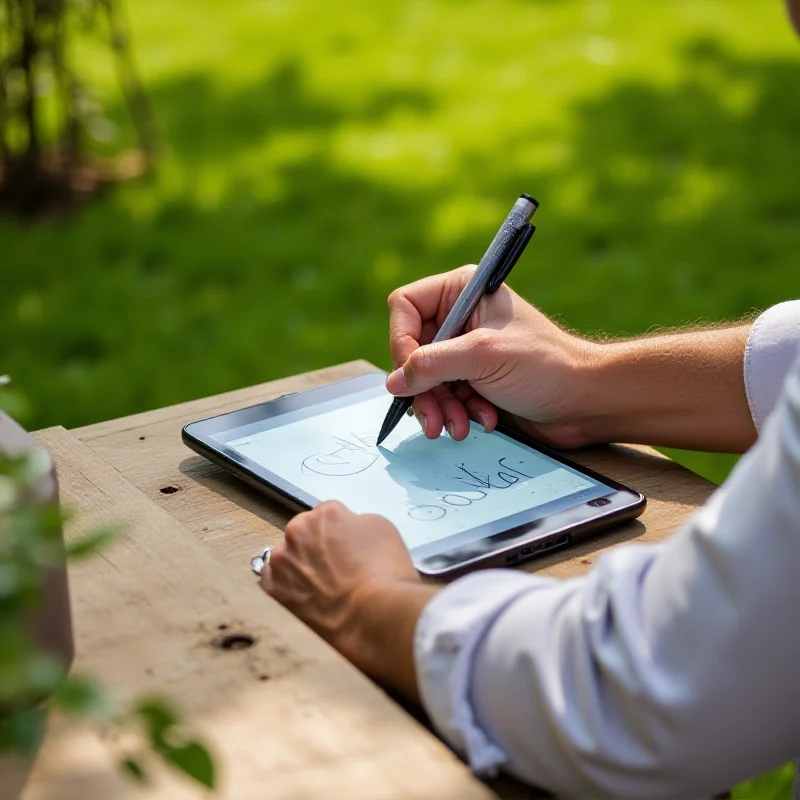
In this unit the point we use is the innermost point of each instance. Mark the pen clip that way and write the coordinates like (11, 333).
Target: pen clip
(514, 253)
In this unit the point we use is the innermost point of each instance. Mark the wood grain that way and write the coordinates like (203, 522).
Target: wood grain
(287, 717)
(237, 521)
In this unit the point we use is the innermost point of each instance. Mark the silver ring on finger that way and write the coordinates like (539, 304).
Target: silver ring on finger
(258, 562)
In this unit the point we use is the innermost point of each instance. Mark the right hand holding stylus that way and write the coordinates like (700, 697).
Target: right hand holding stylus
(511, 358)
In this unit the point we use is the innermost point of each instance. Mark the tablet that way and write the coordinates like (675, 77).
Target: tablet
(492, 499)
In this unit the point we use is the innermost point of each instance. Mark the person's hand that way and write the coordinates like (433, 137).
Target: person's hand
(510, 358)
(350, 578)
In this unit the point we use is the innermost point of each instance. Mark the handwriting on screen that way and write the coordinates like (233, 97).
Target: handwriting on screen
(357, 452)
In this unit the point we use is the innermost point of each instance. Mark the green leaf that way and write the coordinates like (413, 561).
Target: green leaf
(134, 769)
(192, 759)
(27, 728)
(35, 465)
(44, 673)
(14, 404)
(158, 717)
(91, 543)
(80, 696)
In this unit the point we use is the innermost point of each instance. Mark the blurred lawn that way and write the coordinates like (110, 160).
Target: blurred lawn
(319, 155)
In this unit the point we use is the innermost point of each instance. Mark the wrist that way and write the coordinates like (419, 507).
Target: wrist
(585, 371)
(380, 636)
(599, 411)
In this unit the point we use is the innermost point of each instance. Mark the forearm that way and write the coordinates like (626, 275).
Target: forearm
(677, 390)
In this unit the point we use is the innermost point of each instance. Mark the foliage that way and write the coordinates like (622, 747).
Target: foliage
(47, 110)
(32, 682)
(317, 159)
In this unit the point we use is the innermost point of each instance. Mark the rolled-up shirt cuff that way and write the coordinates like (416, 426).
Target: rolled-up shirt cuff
(447, 635)
(768, 356)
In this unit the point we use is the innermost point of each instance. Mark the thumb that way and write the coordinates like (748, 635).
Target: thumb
(440, 362)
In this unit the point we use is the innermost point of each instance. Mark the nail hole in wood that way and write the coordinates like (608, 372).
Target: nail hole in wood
(234, 641)
(141, 438)
(222, 627)
(263, 677)
(170, 489)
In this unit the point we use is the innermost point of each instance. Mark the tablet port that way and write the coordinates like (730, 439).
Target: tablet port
(512, 558)
(526, 551)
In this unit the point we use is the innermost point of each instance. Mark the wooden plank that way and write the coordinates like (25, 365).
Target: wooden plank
(287, 717)
(236, 521)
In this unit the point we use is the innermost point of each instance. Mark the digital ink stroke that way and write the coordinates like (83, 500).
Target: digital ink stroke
(350, 457)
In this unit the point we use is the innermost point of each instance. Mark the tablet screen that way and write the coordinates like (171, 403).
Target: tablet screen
(434, 491)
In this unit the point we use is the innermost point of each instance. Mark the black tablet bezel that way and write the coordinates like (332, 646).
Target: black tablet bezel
(519, 542)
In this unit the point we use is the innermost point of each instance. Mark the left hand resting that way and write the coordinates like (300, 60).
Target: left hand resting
(350, 578)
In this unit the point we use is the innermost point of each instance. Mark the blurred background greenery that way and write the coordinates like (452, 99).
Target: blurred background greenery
(319, 155)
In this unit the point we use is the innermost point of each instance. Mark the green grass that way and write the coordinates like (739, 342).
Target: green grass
(318, 155)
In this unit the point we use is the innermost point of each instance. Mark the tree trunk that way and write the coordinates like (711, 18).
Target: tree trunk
(39, 177)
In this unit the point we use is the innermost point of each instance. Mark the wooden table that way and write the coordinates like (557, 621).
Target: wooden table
(173, 608)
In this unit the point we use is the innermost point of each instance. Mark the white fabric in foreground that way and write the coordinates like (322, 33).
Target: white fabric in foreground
(667, 672)
(771, 348)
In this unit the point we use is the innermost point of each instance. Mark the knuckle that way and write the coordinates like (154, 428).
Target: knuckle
(376, 522)
(294, 528)
(397, 341)
(422, 363)
(329, 510)
(277, 558)
(396, 297)
(290, 535)
(484, 342)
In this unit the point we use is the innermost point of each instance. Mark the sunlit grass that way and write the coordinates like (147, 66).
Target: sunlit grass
(317, 155)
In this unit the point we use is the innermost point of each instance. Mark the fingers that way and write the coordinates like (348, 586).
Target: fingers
(439, 409)
(299, 554)
(451, 408)
(478, 408)
(314, 520)
(462, 358)
(429, 330)
(455, 417)
(410, 307)
(265, 579)
(405, 327)
(429, 414)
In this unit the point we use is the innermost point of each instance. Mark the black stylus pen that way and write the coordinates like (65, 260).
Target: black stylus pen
(494, 267)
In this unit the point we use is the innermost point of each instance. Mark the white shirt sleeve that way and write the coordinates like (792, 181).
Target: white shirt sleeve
(669, 671)
(771, 347)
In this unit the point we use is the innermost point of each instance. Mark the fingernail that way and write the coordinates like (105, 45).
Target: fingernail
(451, 429)
(483, 417)
(396, 382)
(423, 422)
(410, 412)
